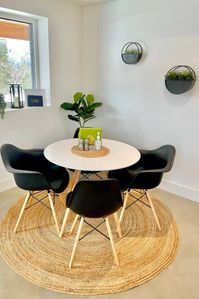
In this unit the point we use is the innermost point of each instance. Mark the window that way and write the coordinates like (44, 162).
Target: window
(21, 52)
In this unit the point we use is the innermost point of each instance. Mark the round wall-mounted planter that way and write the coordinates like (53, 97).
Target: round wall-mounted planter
(131, 53)
(180, 79)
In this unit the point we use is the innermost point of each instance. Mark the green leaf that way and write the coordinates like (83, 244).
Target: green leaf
(67, 106)
(90, 109)
(97, 104)
(90, 99)
(75, 118)
(89, 116)
(84, 104)
(77, 96)
(89, 119)
(80, 111)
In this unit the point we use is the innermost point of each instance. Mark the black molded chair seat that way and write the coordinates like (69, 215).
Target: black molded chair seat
(94, 199)
(33, 172)
(146, 174)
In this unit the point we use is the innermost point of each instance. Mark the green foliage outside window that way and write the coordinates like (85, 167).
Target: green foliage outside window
(13, 71)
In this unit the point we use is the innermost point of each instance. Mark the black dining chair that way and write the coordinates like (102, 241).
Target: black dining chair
(94, 199)
(146, 174)
(34, 173)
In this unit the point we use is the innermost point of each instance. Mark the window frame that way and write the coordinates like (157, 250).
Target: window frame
(34, 53)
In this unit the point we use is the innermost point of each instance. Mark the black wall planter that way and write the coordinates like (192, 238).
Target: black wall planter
(180, 79)
(131, 53)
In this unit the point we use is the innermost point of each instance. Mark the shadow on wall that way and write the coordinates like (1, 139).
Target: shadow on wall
(178, 100)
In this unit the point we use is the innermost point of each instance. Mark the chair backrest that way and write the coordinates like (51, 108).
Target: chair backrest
(165, 154)
(95, 198)
(11, 157)
(15, 158)
(161, 158)
(25, 165)
(153, 164)
(32, 171)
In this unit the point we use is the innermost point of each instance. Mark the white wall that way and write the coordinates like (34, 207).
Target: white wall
(38, 127)
(137, 107)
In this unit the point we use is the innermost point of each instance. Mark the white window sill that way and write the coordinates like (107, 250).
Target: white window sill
(26, 108)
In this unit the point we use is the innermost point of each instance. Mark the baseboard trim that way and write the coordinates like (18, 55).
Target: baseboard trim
(7, 184)
(181, 190)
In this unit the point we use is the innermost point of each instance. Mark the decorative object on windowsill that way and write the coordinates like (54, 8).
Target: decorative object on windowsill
(16, 96)
(180, 79)
(131, 53)
(35, 97)
(2, 105)
(83, 106)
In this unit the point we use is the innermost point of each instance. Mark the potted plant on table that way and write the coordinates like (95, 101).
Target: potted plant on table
(2, 105)
(84, 107)
(180, 79)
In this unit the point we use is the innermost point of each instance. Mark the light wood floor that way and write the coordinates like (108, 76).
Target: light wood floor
(179, 281)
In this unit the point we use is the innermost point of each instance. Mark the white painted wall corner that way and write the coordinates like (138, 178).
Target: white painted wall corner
(7, 184)
(181, 190)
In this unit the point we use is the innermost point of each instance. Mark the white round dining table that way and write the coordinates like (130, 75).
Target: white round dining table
(120, 155)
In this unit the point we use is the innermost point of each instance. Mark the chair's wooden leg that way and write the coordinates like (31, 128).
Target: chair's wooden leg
(62, 198)
(111, 240)
(64, 222)
(76, 242)
(117, 224)
(22, 210)
(53, 211)
(153, 210)
(73, 181)
(74, 223)
(124, 206)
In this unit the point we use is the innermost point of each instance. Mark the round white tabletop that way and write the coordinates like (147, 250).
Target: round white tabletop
(121, 155)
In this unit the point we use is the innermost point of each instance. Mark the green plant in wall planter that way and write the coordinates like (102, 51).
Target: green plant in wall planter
(2, 105)
(83, 106)
(180, 79)
(131, 53)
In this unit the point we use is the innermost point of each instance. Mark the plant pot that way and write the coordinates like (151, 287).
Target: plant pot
(77, 132)
(131, 52)
(179, 86)
(131, 58)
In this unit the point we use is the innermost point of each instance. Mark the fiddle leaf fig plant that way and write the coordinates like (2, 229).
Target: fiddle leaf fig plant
(83, 106)
(2, 105)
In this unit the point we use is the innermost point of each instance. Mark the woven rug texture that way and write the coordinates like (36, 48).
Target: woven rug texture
(40, 256)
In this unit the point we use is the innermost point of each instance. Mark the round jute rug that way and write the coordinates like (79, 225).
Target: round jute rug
(40, 256)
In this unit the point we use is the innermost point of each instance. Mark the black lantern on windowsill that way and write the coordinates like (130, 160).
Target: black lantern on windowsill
(16, 96)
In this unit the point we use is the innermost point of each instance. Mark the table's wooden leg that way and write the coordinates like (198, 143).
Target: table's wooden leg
(73, 181)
